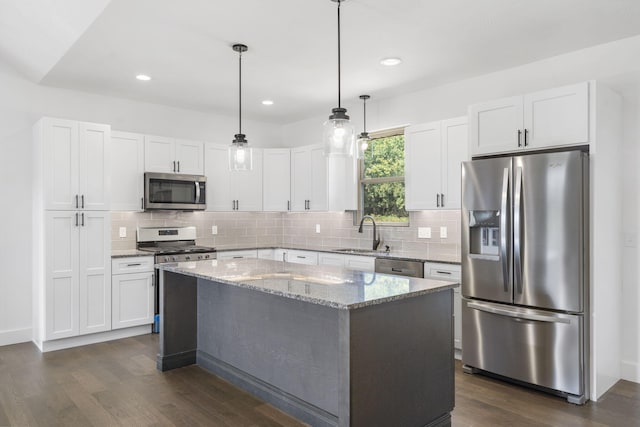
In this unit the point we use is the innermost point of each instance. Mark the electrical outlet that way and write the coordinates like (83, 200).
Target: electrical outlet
(424, 232)
(122, 232)
(317, 228)
(214, 229)
(443, 232)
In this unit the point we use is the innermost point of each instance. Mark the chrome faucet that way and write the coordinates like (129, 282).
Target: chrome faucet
(376, 241)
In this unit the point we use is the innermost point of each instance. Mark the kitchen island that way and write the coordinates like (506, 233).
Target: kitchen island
(327, 345)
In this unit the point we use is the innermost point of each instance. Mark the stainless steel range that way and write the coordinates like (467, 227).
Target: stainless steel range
(171, 244)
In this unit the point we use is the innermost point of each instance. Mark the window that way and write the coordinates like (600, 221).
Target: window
(382, 179)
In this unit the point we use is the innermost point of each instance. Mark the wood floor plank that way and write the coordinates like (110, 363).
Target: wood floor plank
(116, 383)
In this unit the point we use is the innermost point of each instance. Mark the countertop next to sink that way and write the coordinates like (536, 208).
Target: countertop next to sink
(323, 285)
(124, 253)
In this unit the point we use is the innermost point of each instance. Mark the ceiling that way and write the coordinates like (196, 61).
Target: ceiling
(185, 46)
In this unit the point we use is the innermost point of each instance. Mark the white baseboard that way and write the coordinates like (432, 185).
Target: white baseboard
(15, 336)
(80, 340)
(630, 371)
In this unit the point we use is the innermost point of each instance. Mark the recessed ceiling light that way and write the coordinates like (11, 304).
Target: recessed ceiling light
(143, 77)
(390, 62)
(267, 102)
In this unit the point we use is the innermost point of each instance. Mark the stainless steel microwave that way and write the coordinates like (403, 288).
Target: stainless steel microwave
(172, 191)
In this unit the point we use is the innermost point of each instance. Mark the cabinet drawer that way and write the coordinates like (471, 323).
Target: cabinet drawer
(302, 257)
(251, 253)
(138, 264)
(433, 270)
(360, 263)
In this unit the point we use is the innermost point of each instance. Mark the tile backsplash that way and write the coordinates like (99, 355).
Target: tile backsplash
(298, 229)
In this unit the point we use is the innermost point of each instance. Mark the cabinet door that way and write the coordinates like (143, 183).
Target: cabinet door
(342, 183)
(422, 166)
(330, 259)
(454, 152)
(189, 157)
(127, 171)
(457, 319)
(302, 257)
(248, 185)
(95, 272)
(94, 165)
(494, 126)
(61, 274)
(557, 116)
(359, 263)
(300, 178)
(216, 164)
(60, 163)
(132, 300)
(241, 254)
(266, 254)
(276, 179)
(159, 154)
(318, 186)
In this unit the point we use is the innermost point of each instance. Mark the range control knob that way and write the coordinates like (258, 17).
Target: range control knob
(187, 257)
(173, 258)
(166, 259)
(199, 256)
(206, 256)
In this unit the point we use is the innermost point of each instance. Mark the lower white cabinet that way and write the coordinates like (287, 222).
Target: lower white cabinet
(302, 257)
(266, 254)
(440, 271)
(327, 258)
(132, 291)
(77, 273)
(360, 263)
(225, 255)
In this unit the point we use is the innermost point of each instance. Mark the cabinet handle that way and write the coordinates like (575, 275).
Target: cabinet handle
(174, 165)
(82, 198)
(76, 203)
(288, 205)
(142, 203)
(76, 219)
(237, 205)
(442, 200)
(134, 264)
(178, 165)
(83, 219)
(238, 257)
(519, 138)
(437, 200)
(300, 256)
(526, 131)
(443, 272)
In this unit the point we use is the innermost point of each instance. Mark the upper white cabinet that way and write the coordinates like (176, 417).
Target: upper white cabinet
(232, 190)
(549, 118)
(309, 190)
(127, 171)
(276, 180)
(433, 154)
(342, 183)
(74, 159)
(169, 155)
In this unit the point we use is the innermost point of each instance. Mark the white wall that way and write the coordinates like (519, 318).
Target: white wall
(617, 64)
(21, 105)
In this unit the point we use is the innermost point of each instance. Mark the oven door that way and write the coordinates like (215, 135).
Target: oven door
(167, 191)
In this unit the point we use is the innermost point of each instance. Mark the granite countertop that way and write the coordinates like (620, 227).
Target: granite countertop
(123, 253)
(324, 285)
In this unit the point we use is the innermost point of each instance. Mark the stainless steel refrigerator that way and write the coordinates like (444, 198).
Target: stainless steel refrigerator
(525, 256)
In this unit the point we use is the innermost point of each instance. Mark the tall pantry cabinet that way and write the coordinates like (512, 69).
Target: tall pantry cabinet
(71, 230)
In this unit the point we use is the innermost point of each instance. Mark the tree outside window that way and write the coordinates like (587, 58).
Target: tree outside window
(382, 180)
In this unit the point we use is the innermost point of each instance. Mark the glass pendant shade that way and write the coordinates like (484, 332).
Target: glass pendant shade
(362, 143)
(240, 157)
(338, 136)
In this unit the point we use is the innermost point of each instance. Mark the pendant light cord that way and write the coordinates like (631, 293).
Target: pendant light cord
(240, 92)
(364, 107)
(339, 93)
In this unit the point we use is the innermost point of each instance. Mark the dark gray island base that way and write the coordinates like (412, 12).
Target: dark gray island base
(331, 347)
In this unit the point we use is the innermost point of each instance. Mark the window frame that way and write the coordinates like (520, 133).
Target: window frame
(362, 181)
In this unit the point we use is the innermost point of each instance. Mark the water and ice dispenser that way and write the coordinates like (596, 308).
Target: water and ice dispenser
(484, 232)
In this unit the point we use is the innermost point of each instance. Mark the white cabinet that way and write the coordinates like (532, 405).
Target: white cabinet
(309, 191)
(133, 291)
(232, 190)
(451, 272)
(433, 155)
(359, 263)
(276, 180)
(77, 273)
(170, 155)
(74, 158)
(342, 182)
(266, 254)
(327, 258)
(240, 254)
(302, 257)
(549, 118)
(127, 171)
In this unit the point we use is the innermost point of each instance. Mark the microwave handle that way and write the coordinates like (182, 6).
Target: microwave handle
(197, 192)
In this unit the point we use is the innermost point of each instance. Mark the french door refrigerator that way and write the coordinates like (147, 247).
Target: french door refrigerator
(525, 269)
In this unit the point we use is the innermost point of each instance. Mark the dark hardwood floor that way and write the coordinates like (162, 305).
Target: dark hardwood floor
(116, 383)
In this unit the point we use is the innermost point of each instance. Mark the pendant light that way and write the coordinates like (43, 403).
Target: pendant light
(338, 131)
(240, 156)
(362, 143)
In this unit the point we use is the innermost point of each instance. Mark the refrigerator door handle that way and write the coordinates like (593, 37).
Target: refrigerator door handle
(517, 232)
(538, 317)
(503, 229)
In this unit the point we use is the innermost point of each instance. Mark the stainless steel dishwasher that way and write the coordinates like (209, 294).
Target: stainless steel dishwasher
(400, 267)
